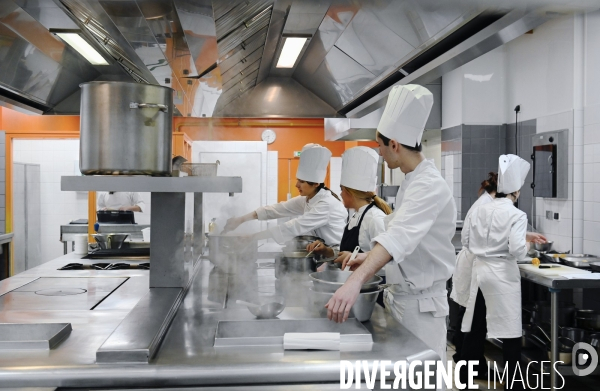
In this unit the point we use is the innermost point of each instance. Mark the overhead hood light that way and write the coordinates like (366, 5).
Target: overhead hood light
(74, 39)
(290, 52)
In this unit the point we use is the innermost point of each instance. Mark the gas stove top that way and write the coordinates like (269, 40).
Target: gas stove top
(105, 266)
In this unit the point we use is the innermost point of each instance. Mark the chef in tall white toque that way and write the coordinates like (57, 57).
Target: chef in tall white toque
(416, 248)
(316, 211)
(496, 234)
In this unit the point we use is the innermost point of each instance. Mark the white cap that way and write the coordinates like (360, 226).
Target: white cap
(512, 171)
(313, 163)
(359, 169)
(406, 113)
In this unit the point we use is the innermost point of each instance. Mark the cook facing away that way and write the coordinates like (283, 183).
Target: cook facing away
(416, 248)
(316, 211)
(117, 200)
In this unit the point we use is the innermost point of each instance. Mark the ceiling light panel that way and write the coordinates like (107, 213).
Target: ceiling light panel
(290, 52)
(83, 48)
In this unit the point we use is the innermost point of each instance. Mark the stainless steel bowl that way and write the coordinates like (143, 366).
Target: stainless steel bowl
(332, 280)
(543, 247)
(361, 310)
(110, 241)
(267, 307)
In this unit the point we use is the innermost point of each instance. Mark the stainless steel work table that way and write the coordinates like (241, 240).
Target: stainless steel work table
(186, 356)
(555, 284)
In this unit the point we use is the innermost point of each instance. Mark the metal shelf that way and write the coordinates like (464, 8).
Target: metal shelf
(191, 184)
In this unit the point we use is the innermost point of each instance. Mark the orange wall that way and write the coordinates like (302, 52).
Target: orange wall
(14, 122)
(292, 135)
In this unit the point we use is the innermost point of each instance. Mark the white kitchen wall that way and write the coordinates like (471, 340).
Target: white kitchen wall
(452, 98)
(591, 136)
(56, 158)
(540, 71)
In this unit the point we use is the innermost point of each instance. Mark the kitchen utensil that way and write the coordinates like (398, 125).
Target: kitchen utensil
(313, 250)
(299, 243)
(296, 263)
(331, 281)
(575, 334)
(352, 257)
(200, 169)
(579, 260)
(588, 319)
(110, 241)
(115, 216)
(138, 138)
(595, 267)
(544, 247)
(361, 310)
(177, 161)
(268, 307)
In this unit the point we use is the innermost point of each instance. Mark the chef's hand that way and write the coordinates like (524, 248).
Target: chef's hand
(313, 247)
(344, 259)
(535, 237)
(232, 224)
(338, 307)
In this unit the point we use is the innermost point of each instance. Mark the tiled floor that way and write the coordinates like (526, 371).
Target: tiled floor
(572, 383)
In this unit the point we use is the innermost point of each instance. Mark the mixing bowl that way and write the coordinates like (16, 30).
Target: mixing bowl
(332, 280)
(361, 310)
(110, 241)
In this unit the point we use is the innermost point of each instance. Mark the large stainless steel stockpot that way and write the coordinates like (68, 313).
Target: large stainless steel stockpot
(126, 128)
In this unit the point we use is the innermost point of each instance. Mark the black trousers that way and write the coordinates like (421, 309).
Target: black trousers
(473, 346)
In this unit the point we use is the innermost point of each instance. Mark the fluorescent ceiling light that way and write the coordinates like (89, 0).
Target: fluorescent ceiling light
(84, 48)
(290, 52)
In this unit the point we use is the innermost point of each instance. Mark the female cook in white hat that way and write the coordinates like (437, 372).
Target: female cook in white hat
(316, 210)
(496, 234)
(418, 236)
(358, 182)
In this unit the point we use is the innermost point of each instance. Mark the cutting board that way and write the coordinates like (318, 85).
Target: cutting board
(555, 271)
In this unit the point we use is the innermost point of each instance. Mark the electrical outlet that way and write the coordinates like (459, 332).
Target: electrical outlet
(557, 216)
(549, 215)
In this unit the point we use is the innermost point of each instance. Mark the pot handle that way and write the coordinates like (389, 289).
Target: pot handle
(159, 106)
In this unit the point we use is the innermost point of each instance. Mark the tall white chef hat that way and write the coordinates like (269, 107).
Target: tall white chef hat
(406, 113)
(359, 169)
(313, 163)
(512, 171)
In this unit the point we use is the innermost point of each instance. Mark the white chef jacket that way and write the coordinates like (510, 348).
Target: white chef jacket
(419, 238)
(323, 216)
(119, 199)
(461, 279)
(495, 234)
(372, 225)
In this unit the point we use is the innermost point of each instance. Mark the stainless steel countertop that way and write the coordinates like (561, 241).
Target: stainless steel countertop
(186, 356)
(558, 282)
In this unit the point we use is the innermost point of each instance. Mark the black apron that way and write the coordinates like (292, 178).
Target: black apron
(350, 236)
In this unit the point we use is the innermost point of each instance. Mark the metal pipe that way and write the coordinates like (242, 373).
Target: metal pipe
(554, 347)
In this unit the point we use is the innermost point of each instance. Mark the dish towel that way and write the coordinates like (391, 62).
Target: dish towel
(311, 341)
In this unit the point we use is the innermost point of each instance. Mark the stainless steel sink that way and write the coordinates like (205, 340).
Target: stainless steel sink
(32, 335)
(270, 332)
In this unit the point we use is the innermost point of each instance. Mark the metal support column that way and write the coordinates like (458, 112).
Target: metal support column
(167, 263)
(554, 347)
(198, 243)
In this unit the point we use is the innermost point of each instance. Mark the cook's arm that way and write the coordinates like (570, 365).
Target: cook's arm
(317, 217)
(517, 247)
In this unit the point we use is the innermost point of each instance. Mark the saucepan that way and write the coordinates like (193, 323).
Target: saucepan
(299, 243)
(543, 247)
(588, 319)
(295, 263)
(110, 241)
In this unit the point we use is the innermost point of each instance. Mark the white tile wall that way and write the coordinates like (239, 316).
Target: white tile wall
(56, 158)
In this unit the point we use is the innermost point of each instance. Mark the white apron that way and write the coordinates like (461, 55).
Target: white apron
(461, 279)
(500, 283)
(416, 313)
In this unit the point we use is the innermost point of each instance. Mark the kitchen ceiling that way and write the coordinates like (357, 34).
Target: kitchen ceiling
(219, 56)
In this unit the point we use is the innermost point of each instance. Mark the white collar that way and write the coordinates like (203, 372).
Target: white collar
(419, 168)
(320, 194)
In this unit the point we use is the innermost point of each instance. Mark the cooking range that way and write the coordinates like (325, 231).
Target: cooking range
(105, 266)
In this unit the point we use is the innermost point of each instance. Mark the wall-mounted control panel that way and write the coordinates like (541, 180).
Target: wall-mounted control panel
(550, 164)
